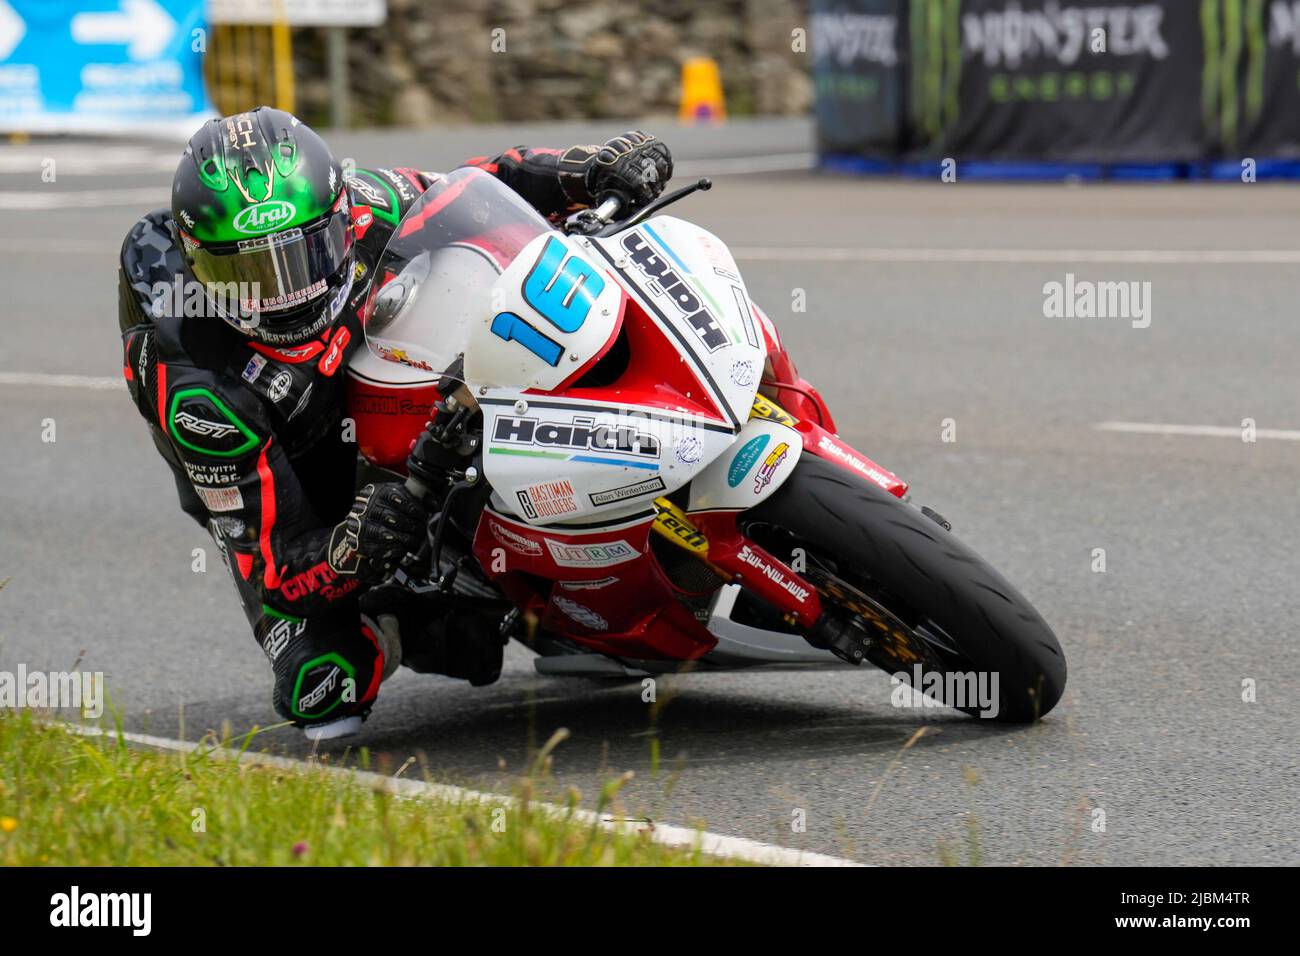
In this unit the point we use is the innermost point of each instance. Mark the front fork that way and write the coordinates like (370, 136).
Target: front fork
(714, 538)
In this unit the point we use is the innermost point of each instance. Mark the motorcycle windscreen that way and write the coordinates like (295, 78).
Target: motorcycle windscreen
(435, 276)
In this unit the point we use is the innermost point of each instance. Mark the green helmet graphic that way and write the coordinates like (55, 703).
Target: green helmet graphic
(263, 220)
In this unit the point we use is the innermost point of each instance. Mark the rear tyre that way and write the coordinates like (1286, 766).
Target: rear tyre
(963, 615)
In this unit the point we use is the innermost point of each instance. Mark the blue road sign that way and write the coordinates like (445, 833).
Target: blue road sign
(102, 65)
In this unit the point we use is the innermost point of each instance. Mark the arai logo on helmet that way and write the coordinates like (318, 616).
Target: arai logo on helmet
(265, 216)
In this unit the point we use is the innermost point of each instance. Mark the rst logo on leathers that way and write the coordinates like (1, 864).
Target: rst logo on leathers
(665, 281)
(318, 693)
(375, 196)
(317, 681)
(581, 434)
(202, 422)
(203, 426)
(278, 634)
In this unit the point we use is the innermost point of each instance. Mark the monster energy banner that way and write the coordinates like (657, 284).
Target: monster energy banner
(1251, 87)
(857, 73)
(1090, 79)
(1103, 81)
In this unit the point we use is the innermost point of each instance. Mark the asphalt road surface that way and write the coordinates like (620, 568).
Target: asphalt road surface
(924, 303)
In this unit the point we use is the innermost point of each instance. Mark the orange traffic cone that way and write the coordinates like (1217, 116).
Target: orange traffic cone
(702, 99)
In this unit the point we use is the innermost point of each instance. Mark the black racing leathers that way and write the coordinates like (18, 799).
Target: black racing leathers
(257, 438)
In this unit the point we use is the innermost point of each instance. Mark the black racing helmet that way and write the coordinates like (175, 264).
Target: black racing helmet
(262, 215)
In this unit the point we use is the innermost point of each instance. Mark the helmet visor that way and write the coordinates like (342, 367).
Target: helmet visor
(276, 275)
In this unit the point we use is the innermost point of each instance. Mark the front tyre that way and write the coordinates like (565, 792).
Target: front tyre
(927, 598)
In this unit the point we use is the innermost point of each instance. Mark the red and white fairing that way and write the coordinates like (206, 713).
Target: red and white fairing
(652, 386)
(559, 449)
(610, 372)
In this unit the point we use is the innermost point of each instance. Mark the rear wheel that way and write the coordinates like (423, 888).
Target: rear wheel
(914, 593)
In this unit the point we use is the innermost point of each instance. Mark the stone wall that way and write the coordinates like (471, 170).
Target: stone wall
(511, 60)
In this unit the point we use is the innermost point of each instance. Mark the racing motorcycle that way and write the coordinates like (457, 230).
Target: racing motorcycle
(623, 462)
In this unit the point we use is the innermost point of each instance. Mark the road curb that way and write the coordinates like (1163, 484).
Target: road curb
(713, 844)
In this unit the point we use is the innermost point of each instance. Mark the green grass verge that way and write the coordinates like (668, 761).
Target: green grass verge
(93, 801)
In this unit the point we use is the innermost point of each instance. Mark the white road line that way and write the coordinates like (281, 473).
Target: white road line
(47, 196)
(46, 246)
(96, 160)
(1067, 256)
(740, 165)
(714, 844)
(43, 197)
(1209, 431)
(41, 380)
(829, 254)
(85, 159)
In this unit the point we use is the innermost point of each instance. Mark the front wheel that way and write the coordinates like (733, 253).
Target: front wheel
(919, 596)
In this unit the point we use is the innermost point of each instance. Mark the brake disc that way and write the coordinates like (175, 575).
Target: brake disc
(886, 637)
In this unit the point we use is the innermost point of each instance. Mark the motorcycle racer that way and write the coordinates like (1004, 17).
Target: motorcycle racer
(239, 384)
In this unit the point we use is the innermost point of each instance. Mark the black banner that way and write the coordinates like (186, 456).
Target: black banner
(339, 910)
(1251, 95)
(1066, 81)
(858, 76)
(1090, 80)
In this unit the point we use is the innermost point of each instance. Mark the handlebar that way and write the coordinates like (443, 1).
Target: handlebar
(458, 402)
(588, 222)
(609, 208)
(600, 220)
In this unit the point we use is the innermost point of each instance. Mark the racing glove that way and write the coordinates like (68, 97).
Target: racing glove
(635, 166)
(386, 521)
